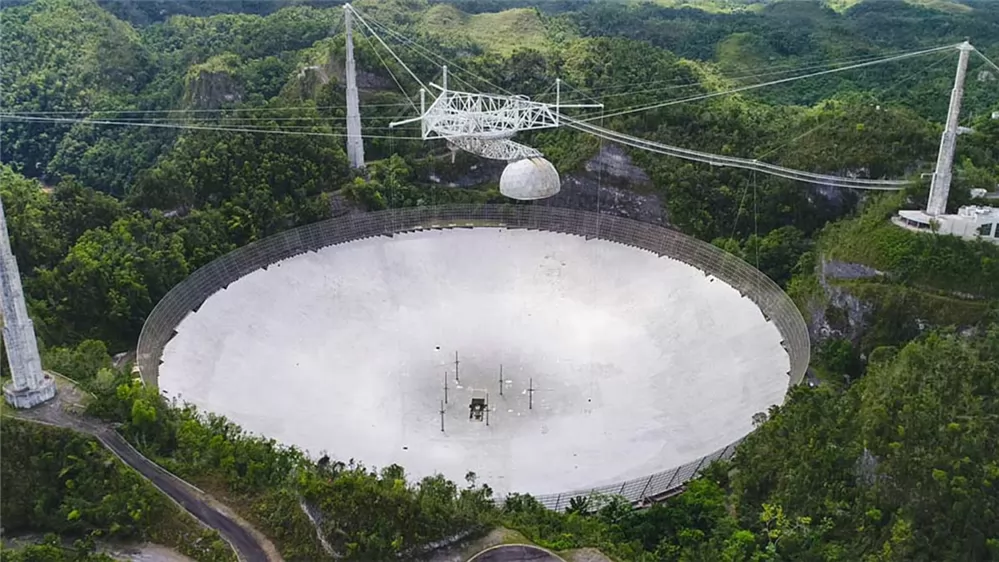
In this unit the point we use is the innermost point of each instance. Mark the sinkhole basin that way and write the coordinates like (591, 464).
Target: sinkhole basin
(601, 362)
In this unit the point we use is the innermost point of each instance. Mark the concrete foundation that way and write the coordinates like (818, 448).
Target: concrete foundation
(639, 363)
(30, 397)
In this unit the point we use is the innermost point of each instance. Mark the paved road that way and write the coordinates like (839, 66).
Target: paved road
(247, 547)
(515, 553)
(54, 413)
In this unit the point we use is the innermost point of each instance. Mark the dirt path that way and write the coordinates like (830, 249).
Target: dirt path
(65, 410)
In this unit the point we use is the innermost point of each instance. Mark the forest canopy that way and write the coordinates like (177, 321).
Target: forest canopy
(139, 140)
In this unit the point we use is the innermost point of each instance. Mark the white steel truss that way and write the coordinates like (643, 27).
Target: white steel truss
(496, 149)
(484, 123)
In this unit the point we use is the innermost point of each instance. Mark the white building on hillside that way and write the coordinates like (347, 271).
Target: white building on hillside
(971, 222)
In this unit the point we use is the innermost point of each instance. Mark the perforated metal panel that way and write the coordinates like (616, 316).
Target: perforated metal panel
(775, 304)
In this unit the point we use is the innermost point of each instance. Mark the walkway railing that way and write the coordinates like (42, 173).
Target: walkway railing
(188, 295)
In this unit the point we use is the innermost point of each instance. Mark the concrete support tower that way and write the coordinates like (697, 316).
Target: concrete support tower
(30, 386)
(940, 186)
(355, 144)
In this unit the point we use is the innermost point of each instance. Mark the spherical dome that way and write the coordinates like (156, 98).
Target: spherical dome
(530, 178)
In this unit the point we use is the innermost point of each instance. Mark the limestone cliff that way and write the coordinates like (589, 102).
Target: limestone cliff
(213, 83)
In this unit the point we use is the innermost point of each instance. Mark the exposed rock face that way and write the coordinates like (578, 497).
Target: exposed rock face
(468, 171)
(846, 315)
(211, 90)
(834, 196)
(846, 270)
(336, 68)
(606, 184)
(581, 192)
(617, 168)
(310, 79)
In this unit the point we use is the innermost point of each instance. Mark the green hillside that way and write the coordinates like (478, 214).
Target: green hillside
(500, 32)
(57, 481)
(141, 140)
(722, 6)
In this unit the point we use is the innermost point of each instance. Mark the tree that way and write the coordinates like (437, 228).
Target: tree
(121, 270)
(28, 211)
(81, 363)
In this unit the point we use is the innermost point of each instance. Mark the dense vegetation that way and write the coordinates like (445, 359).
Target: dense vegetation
(897, 461)
(899, 466)
(55, 480)
(830, 476)
(269, 481)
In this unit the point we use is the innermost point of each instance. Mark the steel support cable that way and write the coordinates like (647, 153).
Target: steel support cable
(228, 119)
(391, 52)
(789, 68)
(195, 127)
(586, 97)
(451, 76)
(404, 40)
(427, 54)
(986, 59)
(392, 74)
(780, 171)
(756, 221)
(699, 83)
(86, 112)
(547, 91)
(238, 121)
(419, 49)
(423, 51)
(827, 123)
(696, 84)
(734, 162)
(783, 80)
(770, 83)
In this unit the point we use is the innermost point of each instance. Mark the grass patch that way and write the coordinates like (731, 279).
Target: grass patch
(511, 536)
(712, 6)
(499, 32)
(842, 5)
(942, 6)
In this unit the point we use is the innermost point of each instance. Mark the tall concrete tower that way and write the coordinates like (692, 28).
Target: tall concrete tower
(355, 144)
(940, 186)
(30, 386)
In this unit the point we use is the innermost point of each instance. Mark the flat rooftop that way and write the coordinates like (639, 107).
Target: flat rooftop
(971, 222)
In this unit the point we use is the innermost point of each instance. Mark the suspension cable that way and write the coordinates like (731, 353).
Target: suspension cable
(392, 74)
(827, 123)
(986, 59)
(195, 127)
(771, 83)
(365, 23)
(173, 111)
(696, 83)
(730, 161)
(423, 51)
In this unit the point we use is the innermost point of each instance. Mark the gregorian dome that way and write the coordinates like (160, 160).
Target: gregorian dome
(530, 178)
